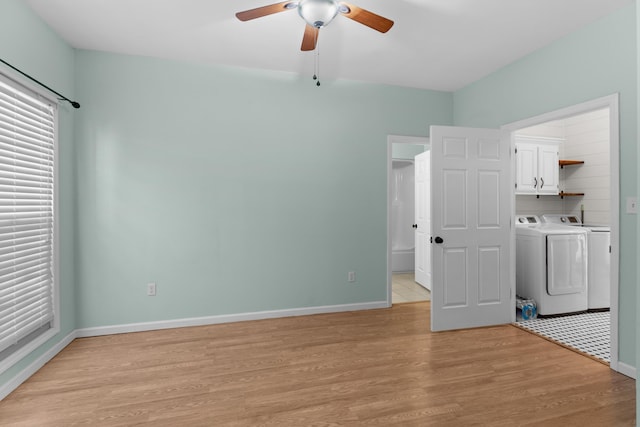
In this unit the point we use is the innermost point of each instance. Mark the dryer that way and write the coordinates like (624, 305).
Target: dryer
(551, 265)
(599, 249)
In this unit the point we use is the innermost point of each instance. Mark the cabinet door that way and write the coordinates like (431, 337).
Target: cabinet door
(526, 168)
(548, 169)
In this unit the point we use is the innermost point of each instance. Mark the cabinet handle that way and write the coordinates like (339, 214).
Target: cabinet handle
(541, 183)
(535, 182)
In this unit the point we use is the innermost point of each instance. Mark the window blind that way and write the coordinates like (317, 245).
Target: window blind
(27, 137)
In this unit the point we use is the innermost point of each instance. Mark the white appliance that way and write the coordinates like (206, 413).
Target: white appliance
(599, 248)
(551, 265)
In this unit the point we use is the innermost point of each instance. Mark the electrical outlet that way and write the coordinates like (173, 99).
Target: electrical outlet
(151, 289)
(351, 276)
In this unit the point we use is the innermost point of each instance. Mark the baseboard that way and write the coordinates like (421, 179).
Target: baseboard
(627, 370)
(23, 375)
(225, 318)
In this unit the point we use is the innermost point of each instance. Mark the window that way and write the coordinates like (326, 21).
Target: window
(28, 124)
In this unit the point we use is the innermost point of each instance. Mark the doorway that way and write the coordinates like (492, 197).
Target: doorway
(592, 124)
(402, 286)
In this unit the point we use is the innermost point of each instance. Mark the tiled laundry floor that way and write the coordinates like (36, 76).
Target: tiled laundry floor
(588, 332)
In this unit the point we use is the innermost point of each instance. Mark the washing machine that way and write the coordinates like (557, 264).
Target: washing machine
(551, 265)
(599, 248)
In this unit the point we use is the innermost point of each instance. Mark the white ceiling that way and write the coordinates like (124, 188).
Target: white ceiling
(434, 44)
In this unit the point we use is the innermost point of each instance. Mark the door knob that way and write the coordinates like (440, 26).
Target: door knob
(415, 225)
(439, 240)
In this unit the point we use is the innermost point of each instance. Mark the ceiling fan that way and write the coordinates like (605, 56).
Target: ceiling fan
(318, 14)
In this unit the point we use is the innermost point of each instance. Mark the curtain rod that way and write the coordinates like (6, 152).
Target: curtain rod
(73, 103)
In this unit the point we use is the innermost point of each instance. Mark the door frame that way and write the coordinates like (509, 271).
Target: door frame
(395, 139)
(611, 102)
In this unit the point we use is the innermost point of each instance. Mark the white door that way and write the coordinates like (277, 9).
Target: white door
(423, 219)
(471, 199)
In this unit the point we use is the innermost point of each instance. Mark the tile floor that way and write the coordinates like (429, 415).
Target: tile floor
(405, 289)
(587, 333)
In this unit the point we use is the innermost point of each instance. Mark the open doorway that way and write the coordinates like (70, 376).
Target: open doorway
(589, 192)
(401, 208)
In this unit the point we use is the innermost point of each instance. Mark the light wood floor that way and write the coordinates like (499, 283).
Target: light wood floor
(405, 289)
(377, 367)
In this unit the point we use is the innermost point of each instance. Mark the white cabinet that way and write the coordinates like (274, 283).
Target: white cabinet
(537, 170)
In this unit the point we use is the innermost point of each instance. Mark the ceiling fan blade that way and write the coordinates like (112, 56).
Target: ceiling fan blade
(259, 12)
(310, 38)
(370, 19)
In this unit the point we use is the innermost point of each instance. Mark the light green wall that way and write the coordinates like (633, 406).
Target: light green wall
(235, 191)
(406, 151)
(29, 45)
(595, 61)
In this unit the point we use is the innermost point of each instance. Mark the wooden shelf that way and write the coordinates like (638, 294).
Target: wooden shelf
(563, 194)
(564, 163)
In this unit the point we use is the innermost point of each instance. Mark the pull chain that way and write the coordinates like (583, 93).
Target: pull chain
(316, 65)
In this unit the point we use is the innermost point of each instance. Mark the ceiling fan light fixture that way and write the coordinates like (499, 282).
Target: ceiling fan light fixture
(318, 13)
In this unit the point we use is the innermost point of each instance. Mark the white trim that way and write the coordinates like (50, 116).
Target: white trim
(225, 318)
(27, 349)
(512, 206)
(627, 370)
(37, 364)
(24, 375)
(57, 314)
(563, 113)
(403, 139)
(395, 139)
(35, 343)
(389, 249)
(612, 103)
